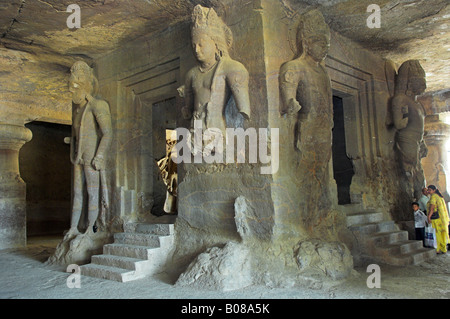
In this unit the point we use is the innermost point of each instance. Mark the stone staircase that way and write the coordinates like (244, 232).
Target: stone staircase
(382, 241)
(141, 250)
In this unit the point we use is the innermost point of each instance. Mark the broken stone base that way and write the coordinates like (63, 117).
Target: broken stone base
(315, 264)
(78, 249)
(318, 258)
(224, 269)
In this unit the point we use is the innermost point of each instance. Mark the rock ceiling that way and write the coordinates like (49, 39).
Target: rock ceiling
(37, 48)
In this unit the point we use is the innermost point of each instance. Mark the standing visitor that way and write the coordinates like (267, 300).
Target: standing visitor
(419, 222)
(423, 200)
(438, 218)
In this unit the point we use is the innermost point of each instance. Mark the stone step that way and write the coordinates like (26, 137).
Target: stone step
(115, 261)
(139, 252)
(137, 239)
(152, 229)
(412, 258)
(384, 238)
(363, 218)
(110, 273)
(374, 227)
(141, 266)
(399, 248)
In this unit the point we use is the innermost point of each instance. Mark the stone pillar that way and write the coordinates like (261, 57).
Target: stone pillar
(435, 164)
(12, 187)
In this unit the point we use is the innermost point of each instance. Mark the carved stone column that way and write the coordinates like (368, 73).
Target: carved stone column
(12, 187)
(435, 165)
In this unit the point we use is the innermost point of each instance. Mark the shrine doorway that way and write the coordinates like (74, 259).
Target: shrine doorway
(343, 170)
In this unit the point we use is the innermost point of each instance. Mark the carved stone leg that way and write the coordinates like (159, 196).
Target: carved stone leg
(12, 187)
(93, 187)
(77, 206)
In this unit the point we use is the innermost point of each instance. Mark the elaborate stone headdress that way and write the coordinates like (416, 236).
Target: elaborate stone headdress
(407, 69)
(312, 24)
(206, 20)
(81, 72)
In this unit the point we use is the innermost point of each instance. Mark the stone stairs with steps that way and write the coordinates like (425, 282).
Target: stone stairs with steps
(381, 240)
(140, 251)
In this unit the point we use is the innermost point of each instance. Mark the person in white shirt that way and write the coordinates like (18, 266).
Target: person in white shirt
(419, 222)
(423, 200)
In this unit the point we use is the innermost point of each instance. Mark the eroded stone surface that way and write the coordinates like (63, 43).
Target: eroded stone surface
(78, 249)
(333, 260)
(227, 268)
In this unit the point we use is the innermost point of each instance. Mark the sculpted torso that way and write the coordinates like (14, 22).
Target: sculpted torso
(201, 83)
(208, 92)
(408, 117)
(217, 77)
(310, 86)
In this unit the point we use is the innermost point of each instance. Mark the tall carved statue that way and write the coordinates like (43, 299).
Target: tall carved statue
(91, 138)
(305, 91)
(217, 80)
(408, 116)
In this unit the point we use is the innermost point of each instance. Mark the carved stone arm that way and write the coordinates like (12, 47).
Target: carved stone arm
(238, 82)
(288, 91)
(103, 117)
(187, 93)
(400, 114)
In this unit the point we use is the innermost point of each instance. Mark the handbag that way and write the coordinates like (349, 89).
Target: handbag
(430, 237)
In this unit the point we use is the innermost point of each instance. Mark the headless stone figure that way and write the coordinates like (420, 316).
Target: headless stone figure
(408, 116)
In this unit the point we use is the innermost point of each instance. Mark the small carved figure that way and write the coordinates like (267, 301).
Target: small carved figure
(91, 138)
(408, 117)
(305, 91)
(210, 86)
(168, 171)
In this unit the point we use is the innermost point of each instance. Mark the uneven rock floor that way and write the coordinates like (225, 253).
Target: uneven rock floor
(25, 276)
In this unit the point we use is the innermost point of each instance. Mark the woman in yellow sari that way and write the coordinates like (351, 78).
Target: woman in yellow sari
(438, 218)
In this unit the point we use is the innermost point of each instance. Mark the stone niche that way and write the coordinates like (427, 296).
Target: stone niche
(223, 203)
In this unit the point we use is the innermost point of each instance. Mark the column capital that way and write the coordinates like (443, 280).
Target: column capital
(13, 136)
(435, 131)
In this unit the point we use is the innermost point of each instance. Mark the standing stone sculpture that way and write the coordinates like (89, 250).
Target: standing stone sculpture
(91, 138)
(89, 144)
(408, 116)
(218, 81)
(305, 91)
